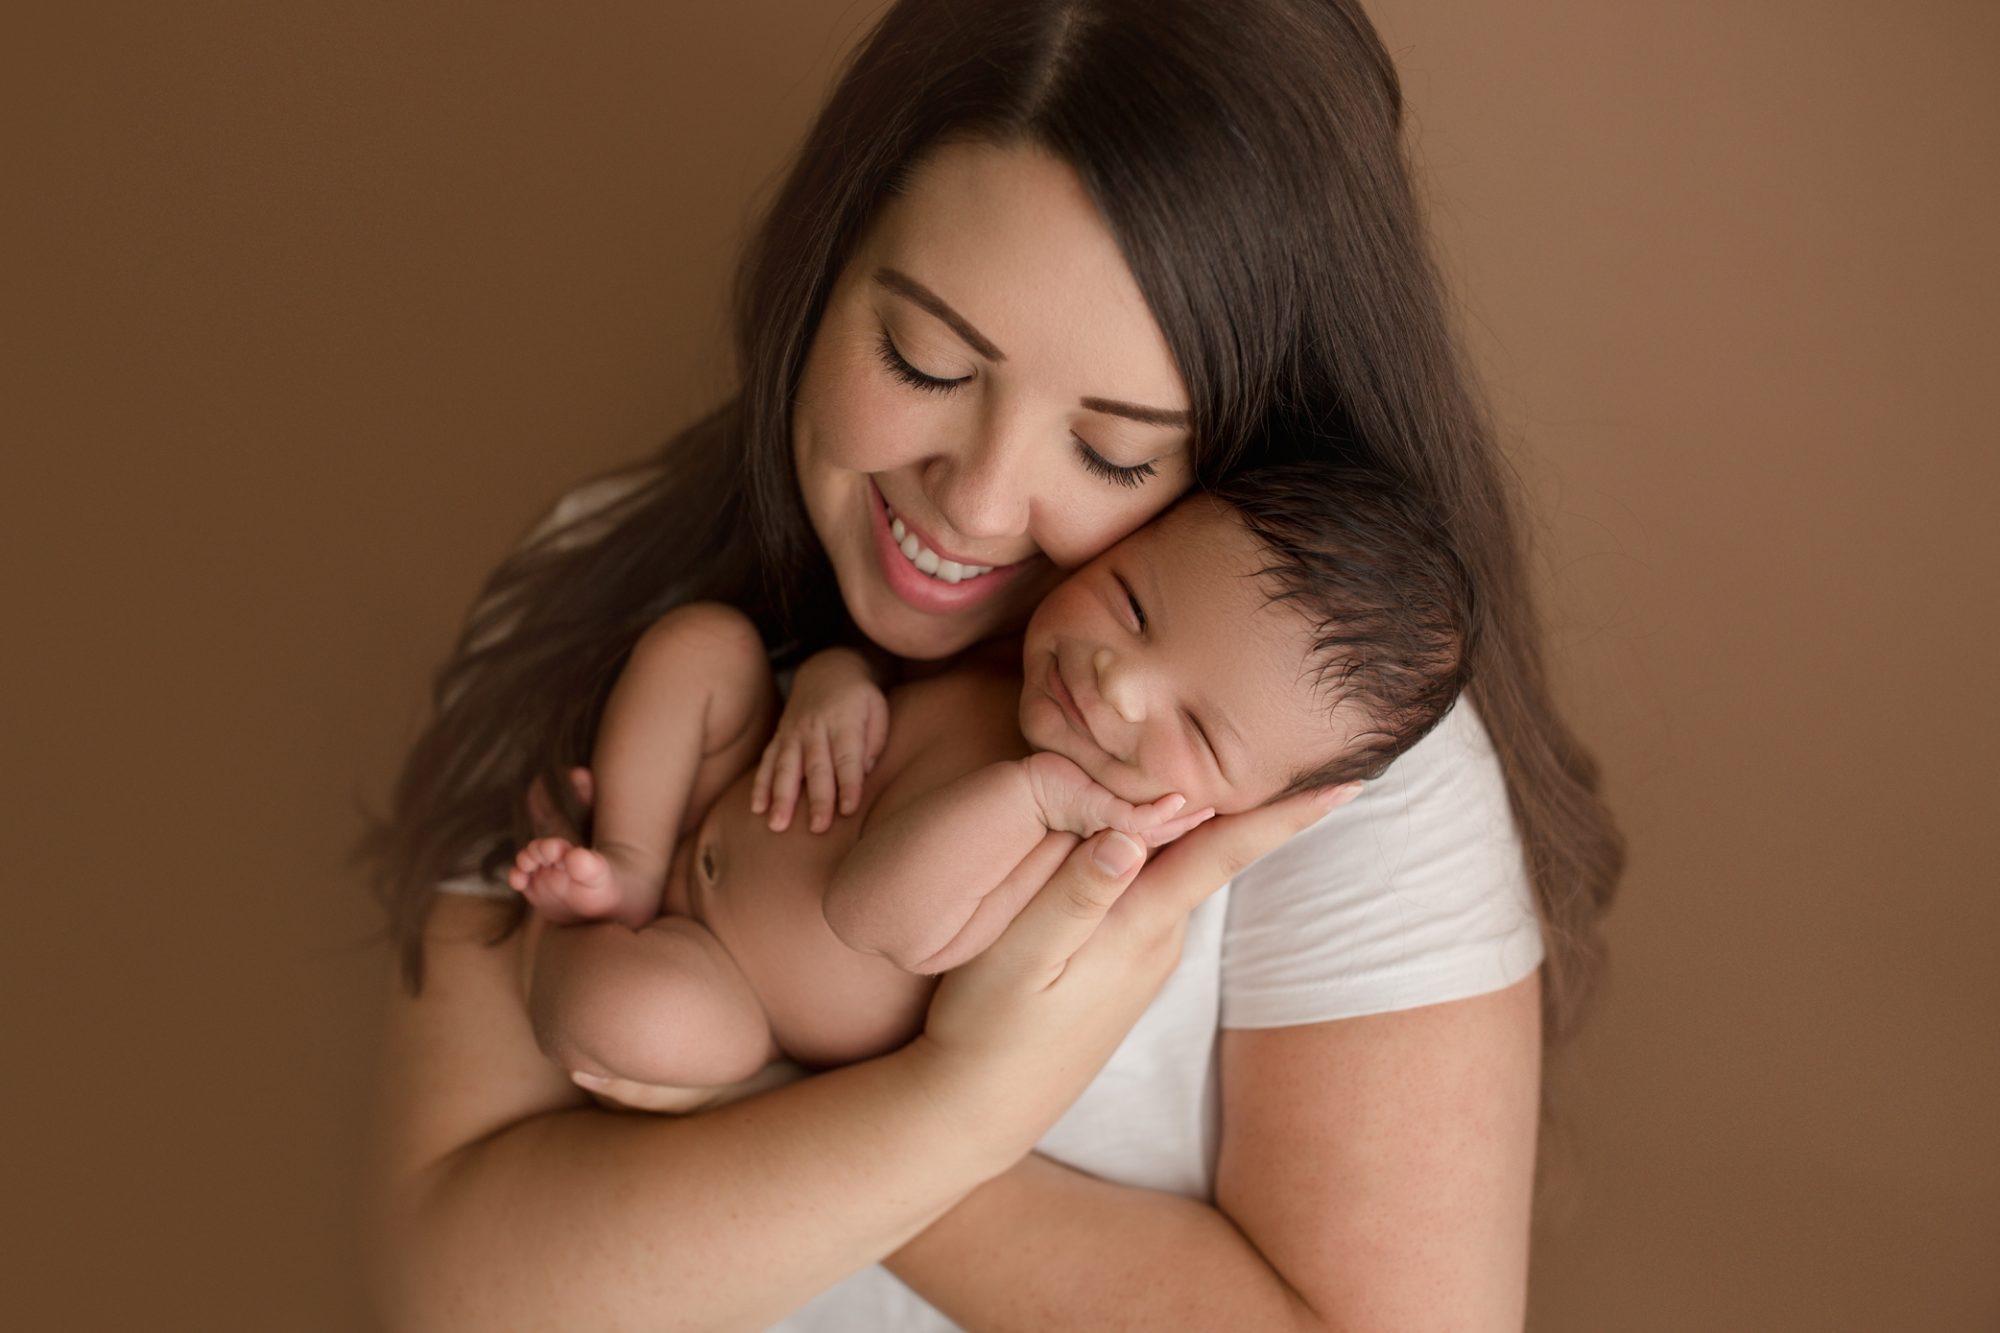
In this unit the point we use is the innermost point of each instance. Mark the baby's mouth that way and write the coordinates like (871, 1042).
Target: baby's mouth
(1058, 689)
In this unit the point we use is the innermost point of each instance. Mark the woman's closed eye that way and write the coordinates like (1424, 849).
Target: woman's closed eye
(900, 367)
(1112, 472)
(1095, 463)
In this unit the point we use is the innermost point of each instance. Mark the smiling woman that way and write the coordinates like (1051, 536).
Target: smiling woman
(1001, 425)
(1041, 267)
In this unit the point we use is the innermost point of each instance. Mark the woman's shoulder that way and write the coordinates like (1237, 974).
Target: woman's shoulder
(1445, 797)
(1415, 892)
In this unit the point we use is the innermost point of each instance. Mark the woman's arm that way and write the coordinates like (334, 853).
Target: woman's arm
(1375, 1173)
(506, 1202)
(503, 1201)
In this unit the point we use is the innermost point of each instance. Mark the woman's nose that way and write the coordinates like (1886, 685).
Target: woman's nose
(982, 488)
(1121, 684)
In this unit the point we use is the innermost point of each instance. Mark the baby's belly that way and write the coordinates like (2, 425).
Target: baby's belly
(826, 1003)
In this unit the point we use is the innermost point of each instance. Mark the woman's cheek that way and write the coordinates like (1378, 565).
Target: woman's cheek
(874, 428)
(1091, 516)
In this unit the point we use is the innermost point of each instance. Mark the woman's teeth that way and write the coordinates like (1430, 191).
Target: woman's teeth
(928, 561)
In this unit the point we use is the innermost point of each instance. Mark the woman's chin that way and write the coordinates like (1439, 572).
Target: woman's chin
(909, 634)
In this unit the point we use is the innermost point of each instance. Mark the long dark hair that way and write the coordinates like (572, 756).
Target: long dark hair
(1248, 157)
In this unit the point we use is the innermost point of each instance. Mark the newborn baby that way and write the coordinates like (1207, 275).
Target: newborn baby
(1295, 629)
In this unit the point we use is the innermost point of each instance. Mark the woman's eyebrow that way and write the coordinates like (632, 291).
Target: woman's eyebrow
(907, 287)
(1152, 416)
(911, 290)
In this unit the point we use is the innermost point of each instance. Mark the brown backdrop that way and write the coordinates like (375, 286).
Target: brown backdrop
(311, 308)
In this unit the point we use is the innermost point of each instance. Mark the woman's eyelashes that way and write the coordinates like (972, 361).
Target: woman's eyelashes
(909, 374)
(1110, 471)
(1095, 463)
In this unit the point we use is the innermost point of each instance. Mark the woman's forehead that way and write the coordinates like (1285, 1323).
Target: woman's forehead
(1010, 240)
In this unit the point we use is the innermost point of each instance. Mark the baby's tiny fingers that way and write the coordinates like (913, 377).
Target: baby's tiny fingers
(819, 782)
(849, 770)
(1156, 812)
(785, 786)
(1162, 834)
(877, 733)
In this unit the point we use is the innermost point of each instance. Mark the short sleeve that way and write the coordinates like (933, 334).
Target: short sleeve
(1414, 893)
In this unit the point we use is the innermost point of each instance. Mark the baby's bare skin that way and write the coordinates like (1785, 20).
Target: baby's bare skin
(1166, 666)
(742, 965)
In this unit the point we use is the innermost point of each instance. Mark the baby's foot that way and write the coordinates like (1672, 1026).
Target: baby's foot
(564, 882)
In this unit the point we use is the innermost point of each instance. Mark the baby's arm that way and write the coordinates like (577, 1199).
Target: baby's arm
(696, 685)
(935, 881)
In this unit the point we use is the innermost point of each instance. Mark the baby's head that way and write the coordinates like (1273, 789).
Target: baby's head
(1294, 628)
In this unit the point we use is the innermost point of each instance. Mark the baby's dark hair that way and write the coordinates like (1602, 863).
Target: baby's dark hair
(1390, 603)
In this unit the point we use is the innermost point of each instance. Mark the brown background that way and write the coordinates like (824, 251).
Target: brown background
(309, 309)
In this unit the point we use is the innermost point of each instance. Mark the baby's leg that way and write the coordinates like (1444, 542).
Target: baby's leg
(693, 699)
(664, 1005)
(691, 710)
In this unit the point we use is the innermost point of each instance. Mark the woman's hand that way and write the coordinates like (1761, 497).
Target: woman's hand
(1016, 1034)
(833, 730)
(623, 1094)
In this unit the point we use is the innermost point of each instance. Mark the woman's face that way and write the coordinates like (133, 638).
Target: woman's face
(987, 391)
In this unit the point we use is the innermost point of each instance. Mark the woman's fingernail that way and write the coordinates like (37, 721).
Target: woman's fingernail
(1116, 853)
(1330, 797)
(588, 1080)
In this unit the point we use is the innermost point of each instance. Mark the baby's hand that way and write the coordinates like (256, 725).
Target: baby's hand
(1071, 800)
(833, 731)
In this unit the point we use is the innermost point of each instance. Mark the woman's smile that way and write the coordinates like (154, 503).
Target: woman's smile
(987, 402)
(922, 574)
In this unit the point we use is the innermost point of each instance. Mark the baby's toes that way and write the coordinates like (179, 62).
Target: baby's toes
(530, 862)
(542, 853)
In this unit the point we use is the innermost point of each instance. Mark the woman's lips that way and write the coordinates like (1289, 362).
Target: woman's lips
(918, 589)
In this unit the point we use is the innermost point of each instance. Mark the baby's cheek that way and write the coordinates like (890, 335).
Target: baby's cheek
(1176, 776)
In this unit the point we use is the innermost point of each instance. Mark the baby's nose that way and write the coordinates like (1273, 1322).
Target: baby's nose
(1119, 685)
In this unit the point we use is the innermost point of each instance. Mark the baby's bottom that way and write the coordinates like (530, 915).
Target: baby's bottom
(664, 1004)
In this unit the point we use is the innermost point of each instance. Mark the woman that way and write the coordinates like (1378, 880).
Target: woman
(1039, 268)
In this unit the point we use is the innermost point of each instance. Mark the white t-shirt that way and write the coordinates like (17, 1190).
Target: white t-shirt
(1413, 893)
